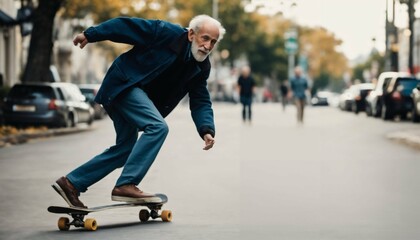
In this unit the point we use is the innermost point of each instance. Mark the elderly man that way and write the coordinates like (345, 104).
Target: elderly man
(140, 89)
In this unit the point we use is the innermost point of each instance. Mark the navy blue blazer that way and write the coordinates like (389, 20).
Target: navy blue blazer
(156, 45)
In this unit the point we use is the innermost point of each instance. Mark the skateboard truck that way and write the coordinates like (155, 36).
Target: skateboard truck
(78, 221)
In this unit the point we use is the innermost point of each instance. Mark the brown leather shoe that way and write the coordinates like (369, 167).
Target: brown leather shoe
(66, 190)
(130, 193)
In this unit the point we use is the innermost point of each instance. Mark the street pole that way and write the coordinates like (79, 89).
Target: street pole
(214, 89)
(291, 46)
(215, 9)
(411, 18)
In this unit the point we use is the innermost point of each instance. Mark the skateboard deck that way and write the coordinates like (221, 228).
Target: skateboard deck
(78, 214)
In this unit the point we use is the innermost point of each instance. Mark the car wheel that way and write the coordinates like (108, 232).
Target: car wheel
(90, 121)
(378, 110)
(354, 108)
(386, 113)
(368, 110)
(415, 116)
(70, 121)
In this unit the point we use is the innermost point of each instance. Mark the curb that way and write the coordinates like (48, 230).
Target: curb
(408, 137)
(21, 138)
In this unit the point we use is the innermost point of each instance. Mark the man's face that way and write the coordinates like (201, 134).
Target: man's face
(203, 41)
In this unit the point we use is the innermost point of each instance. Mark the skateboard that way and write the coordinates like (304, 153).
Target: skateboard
(78, 214)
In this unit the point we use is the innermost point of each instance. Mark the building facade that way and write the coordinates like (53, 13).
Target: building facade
(10, 39)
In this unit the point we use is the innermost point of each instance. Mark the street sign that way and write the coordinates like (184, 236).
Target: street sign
(291, 43)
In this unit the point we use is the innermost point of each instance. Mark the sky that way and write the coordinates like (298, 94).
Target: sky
(355, 22)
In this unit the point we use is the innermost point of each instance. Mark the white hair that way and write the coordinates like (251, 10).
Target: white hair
(197, 22)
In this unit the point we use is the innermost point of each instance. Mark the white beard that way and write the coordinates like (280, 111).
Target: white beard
(198, 56)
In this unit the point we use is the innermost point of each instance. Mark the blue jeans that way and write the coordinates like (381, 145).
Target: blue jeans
(131, 112)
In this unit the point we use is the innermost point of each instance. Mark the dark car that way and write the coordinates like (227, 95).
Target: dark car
(49, 104)
(361, 91)
(321, 98)
(396, 98)
(415, 95)
(374, 99)
(90, 91)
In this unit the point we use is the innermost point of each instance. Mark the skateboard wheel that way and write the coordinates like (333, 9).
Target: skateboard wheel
(144, 215)
(166, 216)
(63, 224)
(90, 224)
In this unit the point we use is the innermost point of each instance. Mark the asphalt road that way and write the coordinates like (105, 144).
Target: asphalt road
(336, 177)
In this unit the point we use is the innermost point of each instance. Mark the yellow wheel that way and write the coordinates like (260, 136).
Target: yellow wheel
(144, 215)
(63, 224)
(166, 216)
(90, 224)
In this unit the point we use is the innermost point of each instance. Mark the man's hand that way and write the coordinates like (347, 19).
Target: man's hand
(208, 141)
(80, 39)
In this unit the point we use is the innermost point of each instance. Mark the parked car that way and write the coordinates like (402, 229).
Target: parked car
(51, 104)
(358, 103)
(321, 98)
(325, 98)
(396, 97)
(344, 102)
(415, 95)
(374, 99)
(90, 91)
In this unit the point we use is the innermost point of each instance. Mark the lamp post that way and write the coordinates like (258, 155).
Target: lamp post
(216, 57)
(411, 18)
(391, 40)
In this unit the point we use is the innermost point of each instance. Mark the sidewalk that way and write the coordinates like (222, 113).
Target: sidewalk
(12, 136)
(409, 137)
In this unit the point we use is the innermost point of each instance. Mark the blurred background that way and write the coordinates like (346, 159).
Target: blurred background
(337, 44)
(337, 176)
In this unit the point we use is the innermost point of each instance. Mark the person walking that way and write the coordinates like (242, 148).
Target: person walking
(284, 91)
(139, 90)
(299, 87)
(246, 85)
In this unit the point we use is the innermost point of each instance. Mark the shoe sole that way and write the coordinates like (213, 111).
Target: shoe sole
(60, 191)
(136, 200)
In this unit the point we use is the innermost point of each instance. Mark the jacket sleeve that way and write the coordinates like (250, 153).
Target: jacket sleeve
(134, 31)
(201, 108)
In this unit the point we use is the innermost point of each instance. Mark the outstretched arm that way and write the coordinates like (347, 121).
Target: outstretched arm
(202, 112)
(133, 31)
(80, 39)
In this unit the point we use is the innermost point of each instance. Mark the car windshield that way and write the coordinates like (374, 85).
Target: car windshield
(22, 91)
(86, 91)
(409, 83)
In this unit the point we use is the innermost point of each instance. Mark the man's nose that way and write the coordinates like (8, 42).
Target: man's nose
(208, 45)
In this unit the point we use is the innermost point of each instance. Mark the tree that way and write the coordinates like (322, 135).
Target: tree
(267, 57)
(326, 63)
(240, 27)
(375, 60)
(41, 44)
(266, 52)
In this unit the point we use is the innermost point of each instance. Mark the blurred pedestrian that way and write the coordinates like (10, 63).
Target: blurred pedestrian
(140, 89)
(246, 88)
(299, 87)
(284, 90)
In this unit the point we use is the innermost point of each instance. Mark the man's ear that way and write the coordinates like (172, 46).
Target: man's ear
(191, 35)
